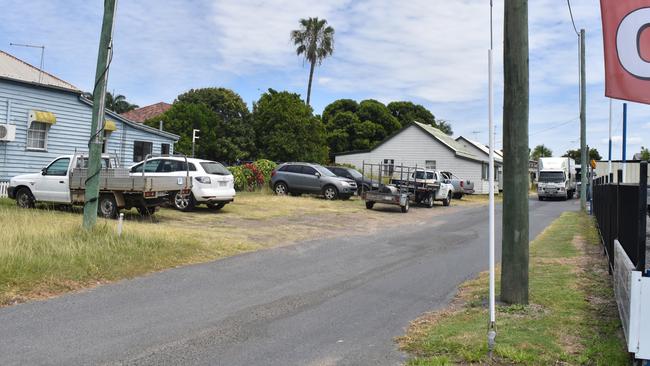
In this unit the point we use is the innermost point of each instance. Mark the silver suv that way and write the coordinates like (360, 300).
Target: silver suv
(298, 178)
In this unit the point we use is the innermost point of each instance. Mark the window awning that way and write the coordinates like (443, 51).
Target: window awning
(42, 116)
(110, 126)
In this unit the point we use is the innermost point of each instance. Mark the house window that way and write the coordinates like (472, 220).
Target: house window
(164, 149)
(141, 149)
(37, 136)
(430, 164)
(485, 171)
(107, 134)
(389, 166)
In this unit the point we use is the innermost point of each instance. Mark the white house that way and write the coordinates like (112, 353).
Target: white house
(425, 146)
(483, 152)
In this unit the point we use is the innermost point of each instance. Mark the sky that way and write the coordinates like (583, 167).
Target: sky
(431, 52)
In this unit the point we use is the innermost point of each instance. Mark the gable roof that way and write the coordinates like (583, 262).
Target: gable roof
(434, 133)
(142, 114)
(13, 68)
(138, 126)
(498, 157)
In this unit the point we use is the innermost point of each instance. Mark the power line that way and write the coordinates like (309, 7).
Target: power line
(568, 2)
(555, 126)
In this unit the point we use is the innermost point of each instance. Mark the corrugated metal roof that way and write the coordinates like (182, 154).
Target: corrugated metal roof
(449, 141)
(19, 70)
(483, 148)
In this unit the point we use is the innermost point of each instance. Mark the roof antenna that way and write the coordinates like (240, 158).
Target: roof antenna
(42, 47)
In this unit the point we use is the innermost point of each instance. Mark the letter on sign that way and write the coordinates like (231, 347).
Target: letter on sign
(626, 36)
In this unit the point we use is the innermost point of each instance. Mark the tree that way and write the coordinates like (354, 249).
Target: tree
(575, 154)
(341, 105)
(376, 112)
(223, 118)
(315, 41)
(540, 151)
(645, 154)
(287, 130)
(116, 103)
(408, 112)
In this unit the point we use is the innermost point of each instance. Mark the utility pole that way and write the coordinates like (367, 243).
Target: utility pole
(584, 154)
(97, 124)
(514, 256)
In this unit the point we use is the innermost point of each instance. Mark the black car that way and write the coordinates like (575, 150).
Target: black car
(364, 183)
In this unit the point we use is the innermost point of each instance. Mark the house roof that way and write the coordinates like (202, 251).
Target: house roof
(13, 68)
(135, 125)
(436, 134)
(142, 114)
(483, 148)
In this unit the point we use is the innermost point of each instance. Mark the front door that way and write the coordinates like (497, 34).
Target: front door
(308, 180)
(54, 184)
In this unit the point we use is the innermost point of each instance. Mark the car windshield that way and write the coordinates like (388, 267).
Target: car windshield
(212, 167)
(420, 174)
(551, 177)
(324, 171)
(355, 174)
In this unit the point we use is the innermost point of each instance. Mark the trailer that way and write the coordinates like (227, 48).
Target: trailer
(64, 180)
(400, 185)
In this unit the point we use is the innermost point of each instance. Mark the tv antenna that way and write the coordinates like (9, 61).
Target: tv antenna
(42, 47)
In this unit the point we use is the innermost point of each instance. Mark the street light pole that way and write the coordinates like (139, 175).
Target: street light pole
(194, 138)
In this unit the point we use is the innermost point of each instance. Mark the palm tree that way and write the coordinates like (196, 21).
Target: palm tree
(315, 41)
(541, 151)
(116, 103)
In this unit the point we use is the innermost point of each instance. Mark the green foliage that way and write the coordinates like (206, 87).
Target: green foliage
(338, 106)
(576, 155)
(286, 129)
(224, 121)
(541, 151)
(376, 112)
(117, 103)
(265, 167)
(645, 154)
(408, 112)
(248, 177)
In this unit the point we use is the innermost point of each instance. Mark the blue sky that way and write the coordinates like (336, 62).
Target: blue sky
(431, 52)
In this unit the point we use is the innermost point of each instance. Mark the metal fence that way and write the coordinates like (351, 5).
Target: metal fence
(3, 189)
(621, 210)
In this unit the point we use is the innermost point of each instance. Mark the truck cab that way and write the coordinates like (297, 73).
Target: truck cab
(556, 178)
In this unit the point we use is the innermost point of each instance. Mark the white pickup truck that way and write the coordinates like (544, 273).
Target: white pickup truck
(63, 181)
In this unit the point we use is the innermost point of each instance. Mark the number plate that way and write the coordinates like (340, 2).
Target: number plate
(223, 184)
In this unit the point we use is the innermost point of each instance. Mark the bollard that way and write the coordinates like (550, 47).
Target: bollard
(120, 222)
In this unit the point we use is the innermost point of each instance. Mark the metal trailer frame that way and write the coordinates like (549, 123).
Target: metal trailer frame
(408, 190)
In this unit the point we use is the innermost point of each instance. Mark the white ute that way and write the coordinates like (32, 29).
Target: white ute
(212, 184)
(63, 181)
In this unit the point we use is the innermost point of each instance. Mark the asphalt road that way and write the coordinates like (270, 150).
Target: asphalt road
(324, 302)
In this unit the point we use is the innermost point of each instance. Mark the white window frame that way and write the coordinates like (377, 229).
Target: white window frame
(429, 166)
(45, 135)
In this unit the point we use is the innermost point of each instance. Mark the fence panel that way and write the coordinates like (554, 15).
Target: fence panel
(3, 189)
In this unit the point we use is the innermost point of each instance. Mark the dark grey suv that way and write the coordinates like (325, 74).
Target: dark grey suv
(298, 178)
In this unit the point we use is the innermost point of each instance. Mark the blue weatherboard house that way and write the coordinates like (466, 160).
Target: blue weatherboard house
(42, 117)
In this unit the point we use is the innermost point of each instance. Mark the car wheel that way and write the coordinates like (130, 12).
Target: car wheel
(460, 196)
(215, 206)
(281, 189)
(370, 205)
(430, 201)
(405, 208)
(330, 193)
(184, 202)
(540, 198)
(447, 201)
(24, 198)
(107, 207)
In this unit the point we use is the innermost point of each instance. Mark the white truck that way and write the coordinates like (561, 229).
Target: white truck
(63, 181)
(556, 178)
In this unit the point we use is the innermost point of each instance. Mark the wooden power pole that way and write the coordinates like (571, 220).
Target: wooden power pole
(96, 127)
(514, 255)
(584, 153)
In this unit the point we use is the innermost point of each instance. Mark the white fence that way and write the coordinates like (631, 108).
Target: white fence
(633, 299)
(3, 189)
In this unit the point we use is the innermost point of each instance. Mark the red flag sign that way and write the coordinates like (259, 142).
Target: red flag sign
(626, 36)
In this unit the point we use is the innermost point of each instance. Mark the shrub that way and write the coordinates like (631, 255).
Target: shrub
(265, 167)
(247, 177)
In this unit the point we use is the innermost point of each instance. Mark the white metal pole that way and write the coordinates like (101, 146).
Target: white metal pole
(609, 171)
(492, 326)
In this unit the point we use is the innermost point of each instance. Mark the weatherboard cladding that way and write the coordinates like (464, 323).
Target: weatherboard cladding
(70, 132)
(414, 146)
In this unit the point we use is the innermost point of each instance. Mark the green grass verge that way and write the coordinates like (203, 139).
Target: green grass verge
(571, 320)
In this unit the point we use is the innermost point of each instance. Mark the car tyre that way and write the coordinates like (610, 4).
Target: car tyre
(25, 199)
(215, 206)
(107, 207)
(281, 189)
(430, 200)
(370, 205)
(405, 208)
(330, 193)
(184, 202)
(447, 201)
